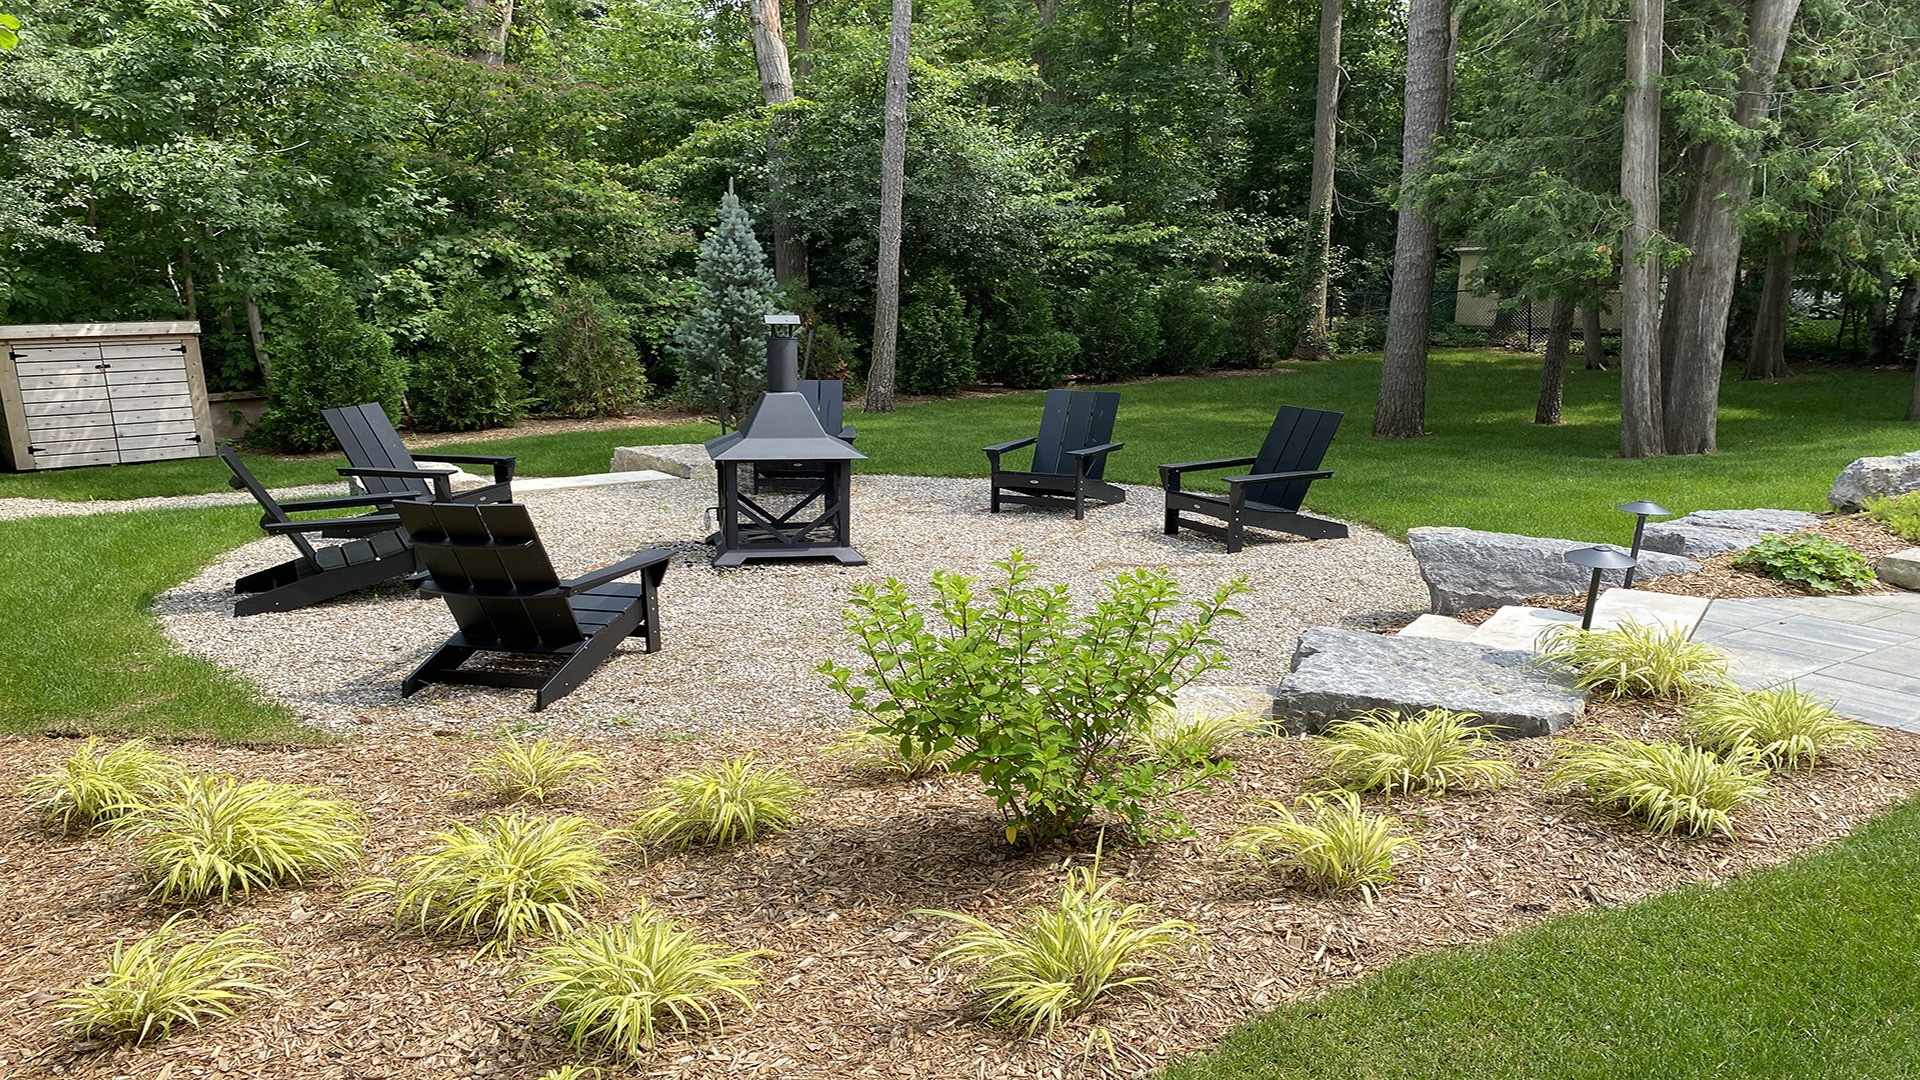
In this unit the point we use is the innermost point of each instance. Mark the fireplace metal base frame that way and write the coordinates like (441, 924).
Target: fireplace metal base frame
(814, 527)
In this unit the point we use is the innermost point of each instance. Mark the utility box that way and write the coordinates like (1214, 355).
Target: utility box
(102, 394)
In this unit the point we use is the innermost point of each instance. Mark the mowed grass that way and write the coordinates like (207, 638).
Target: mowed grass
(1802, 971)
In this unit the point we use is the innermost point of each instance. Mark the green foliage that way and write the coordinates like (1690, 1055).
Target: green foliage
(1635, 660)
(1335, 846)
(1672, 788)
(510, 878)
(517, 770)
(467, 375)
(731, 802)
(571, 1072)
(588, 365)
(1779, 727)
(1814, 563)
(1899, 514)
(1118, 328)
(1022, 344)
(323, 357)
(877, 752)
(1258, 333)
(720, 347)
(936, 338)
(9, 32)
(1172, 735)
(1433, 751)
(210, 837)
(170, 977)
(91, 789)
(616, 988)
(1061, 959)
(1193, 329)
(1045, 705)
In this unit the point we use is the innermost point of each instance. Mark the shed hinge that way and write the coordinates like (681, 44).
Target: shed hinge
(193, 438)
(36, 449)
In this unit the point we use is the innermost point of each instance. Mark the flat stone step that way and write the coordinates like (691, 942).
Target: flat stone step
(589, 480)
(1669, 610)
(1437, 626)
(1515, 627)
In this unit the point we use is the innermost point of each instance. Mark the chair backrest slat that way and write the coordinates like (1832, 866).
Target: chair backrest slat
(1074, 420)
(370, 440)
(1297, 442)
(491, 564)
(827, 396)
(267, 502)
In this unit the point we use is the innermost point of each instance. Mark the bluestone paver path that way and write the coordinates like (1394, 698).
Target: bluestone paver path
(1861, 651)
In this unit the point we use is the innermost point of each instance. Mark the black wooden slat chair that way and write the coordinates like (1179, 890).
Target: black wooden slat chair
(828, 398)
(1269, 497)
(487, 562)
(384, 465)
(1069, 455)
(320, 573)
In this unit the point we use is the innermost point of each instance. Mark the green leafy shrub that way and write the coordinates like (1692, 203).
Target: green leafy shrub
(1118, 328)
(1434, 751)
(466, 376)
(1061, 959)
(731, 802)
(169, 977)
(869, 751)
(588, 365)
(1193, 329)
(1023, 344)
(1672, 788)
(209, 837)
(1899, 514)
(1635, 660)
(323, 357)
(1258, 333)
(721, 346)
(522, 771)
(616, 988)
(1172, 735)
(91, 789)
(1046, 705)
(936, 338)
(1780, 727)
(1336, 846)
(1814, 563)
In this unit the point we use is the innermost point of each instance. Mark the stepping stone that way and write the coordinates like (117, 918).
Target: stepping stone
(1467, 569)
(684, 460)
(1712, 532)
(1337, 673)
(1211, 700)
(589, 480)
(1437, 626)
(1669, 610)
(1520, 627)
(1901, 568)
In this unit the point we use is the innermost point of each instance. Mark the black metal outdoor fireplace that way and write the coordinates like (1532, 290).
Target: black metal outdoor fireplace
(804, 512)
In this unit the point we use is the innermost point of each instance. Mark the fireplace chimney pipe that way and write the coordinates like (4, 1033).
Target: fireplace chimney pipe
(783, 364)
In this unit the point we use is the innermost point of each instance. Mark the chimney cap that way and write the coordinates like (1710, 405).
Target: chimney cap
(783, 318)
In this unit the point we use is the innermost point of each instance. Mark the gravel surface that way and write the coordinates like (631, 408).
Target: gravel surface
(740, 646)
(15, 509)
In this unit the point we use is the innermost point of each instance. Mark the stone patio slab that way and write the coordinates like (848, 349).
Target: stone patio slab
(1903, 682)
(1672, 610)
(1517, 627)
(1839, 634)
(1788, 645)
(1903, 658)
(1862, 702)
(1437, 626)
(1758, 669)
(1905, 622)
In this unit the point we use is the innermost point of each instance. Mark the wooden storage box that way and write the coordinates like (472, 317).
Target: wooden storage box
(102, 394)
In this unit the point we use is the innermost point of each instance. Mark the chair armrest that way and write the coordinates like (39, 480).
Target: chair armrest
(993, 452)
(365, 521)
(502, 464)
(340, 502)
(1193, 466)
(848, 433)
(1262, 478)
(632, 564)
(442, 478)
(1093, 451)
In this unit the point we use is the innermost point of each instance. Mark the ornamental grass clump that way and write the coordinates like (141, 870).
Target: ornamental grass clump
(1061, 959)
(1173, 736)
(510, 878)
(1633, 660)
(617, 988)
(876, 753)
(517, 771)
(731, 802)
(208, 837)
(169, 977)
(1779, 728)
(1327, 841)
(1434, 751)
(1672, 788)
(90, 789)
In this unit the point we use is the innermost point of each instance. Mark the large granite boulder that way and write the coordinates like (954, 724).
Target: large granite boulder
(1870, 476)
(684, 460)
(1711, 532)
(1337, 673)
(1466, 569)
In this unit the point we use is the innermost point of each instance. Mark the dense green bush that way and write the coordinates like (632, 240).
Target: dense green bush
(1814, 563)
(588, 365)
(1256, 334)
(466, 375)
(1023, 344)
(1046, 705)
(1193, 329)
(1899, 514)
(323, 356)
(1119, 330)
(936, 338)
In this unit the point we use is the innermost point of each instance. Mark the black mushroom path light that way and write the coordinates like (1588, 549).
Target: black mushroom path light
(1597, 559)
(1641, 511)
(811, 519)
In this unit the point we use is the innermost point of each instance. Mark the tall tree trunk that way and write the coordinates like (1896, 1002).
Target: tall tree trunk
(893, 184)
(1046, 11)
(1313, 343)
(191, 294)
(776, 86)
(1591, 342)
(1721, 185)
(498, 20)
(802, 40)
(1879, 327)
(256, 337)
(1767, 358)
(1402, 409)
(1553, 370)
(1641, 431)
(1904, 314)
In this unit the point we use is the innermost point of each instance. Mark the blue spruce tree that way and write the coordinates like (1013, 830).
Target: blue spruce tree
(721, 345)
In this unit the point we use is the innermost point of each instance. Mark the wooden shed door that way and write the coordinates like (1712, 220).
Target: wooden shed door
(63, 392)
(152, 403)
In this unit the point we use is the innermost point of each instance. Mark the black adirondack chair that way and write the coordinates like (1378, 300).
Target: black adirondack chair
(827, 396)
(320, 573)
(487, 562)
(1069, 455)
(384, 465)
(1270, 496)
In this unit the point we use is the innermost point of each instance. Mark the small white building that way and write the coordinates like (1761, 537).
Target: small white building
(1471, 308)
(101, 394)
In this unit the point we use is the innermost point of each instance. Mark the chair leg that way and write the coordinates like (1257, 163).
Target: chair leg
(1236, 535)
(1080, 501)
(587, 659)
(1172, 526)
(445, 658)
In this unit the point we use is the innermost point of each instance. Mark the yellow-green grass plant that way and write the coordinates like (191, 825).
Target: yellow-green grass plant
(511, 877)
(1326, 840)
(516, 770)
(90, 788)
(571, 1072)
(1171, 735)
(169, 977)
(730, 802)
(879, 754)
(1060, 959)
(207, 837)
(1670, 787)
(617, 987)
(1780, 727)
(1634, 660)
(1898, 514)
(1433, 751)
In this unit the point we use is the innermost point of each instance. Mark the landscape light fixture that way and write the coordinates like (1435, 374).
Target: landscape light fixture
(1641, 510)
(1598, 558)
